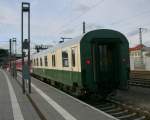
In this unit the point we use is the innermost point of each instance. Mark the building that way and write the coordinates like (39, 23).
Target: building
(140, 57)
(135, 52)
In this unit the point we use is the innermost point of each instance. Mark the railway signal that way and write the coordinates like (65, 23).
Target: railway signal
(25, 49)
(83, 27)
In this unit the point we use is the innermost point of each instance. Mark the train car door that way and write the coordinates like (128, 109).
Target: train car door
(74, 66)
(103, 64)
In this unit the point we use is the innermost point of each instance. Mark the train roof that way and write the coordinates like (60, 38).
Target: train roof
(87, 37)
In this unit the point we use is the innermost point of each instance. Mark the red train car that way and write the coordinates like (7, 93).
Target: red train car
(19, 64)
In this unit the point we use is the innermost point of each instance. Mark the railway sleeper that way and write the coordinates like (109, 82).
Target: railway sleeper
(141, 81)
(141, 118)
(126, 116)
(103, 105)
(120, 112)
(133, 109)
(139, 84)
(111, 111)
(108, 107)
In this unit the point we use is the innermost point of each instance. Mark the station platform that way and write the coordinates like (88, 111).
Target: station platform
(13, 104)
(49, 103)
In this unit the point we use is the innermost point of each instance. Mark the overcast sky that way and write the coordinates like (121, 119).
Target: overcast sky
(52, 19)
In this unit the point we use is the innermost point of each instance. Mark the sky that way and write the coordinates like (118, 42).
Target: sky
(53, 19)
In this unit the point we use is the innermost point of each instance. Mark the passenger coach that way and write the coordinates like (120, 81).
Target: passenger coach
(95, 63)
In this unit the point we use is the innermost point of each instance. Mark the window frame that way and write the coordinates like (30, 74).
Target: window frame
(41, 62)
(65, 59)
(53, 60)
(73, 56)
(37, 61)
(45, 61)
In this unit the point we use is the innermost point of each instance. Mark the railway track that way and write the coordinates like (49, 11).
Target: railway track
(120, 111)
(140, 78)
(140, 82)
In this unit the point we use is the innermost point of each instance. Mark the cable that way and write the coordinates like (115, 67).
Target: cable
(77, 17)
(123, 20)
(137, 15)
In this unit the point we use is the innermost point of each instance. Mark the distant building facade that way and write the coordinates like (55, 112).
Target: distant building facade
(140, 57)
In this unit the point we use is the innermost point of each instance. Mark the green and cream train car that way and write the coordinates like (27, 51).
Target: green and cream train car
(95, 63)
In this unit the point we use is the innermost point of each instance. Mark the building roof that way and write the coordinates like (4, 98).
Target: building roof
(137, 47)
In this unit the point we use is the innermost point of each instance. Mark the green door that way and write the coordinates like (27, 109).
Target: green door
(104, 66)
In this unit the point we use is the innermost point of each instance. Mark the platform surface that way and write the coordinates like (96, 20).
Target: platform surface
(5, 103)
(52, 103)
(61, 106)
(13, 104)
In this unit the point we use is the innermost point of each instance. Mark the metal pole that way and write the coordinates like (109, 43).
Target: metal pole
(83, 27)
(23, 82)
(10, 55)
(13, 71)
(26, 47)
(29, 49)
(140, 35)
(14, 58)
(140, 38)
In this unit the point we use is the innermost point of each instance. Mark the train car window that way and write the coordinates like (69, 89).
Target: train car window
(41, 61)
(53, 60)
(65, 59)
(37, 62)
(73, 62)
(31, 62)
(34, 62)
(45, 60)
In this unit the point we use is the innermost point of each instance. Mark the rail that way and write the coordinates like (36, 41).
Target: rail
(140, 78)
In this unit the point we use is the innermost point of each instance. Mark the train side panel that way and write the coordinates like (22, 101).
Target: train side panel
(68, 75)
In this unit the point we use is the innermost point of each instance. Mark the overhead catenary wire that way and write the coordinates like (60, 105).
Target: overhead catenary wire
(128, 19)
(82, 14)
(121, 20)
